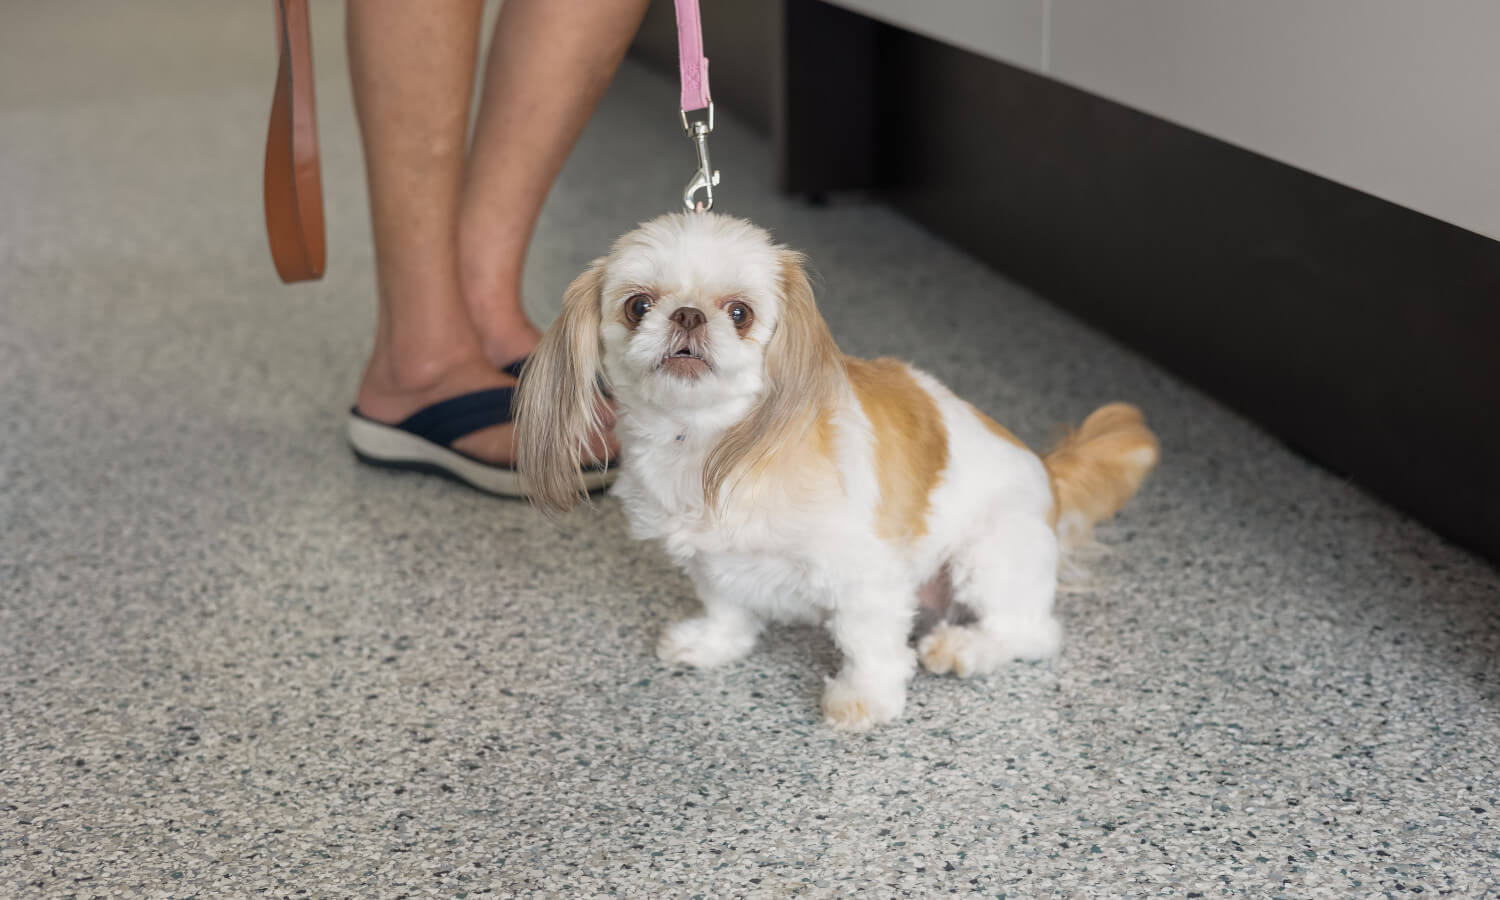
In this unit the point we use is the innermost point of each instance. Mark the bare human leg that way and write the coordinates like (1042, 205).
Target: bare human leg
(449, 316)
(412, 68)
(549, 64)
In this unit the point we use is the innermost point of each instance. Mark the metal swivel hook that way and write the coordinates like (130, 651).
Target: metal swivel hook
(706, 177)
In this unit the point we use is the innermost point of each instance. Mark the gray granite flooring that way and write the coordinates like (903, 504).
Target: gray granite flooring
(233, 662)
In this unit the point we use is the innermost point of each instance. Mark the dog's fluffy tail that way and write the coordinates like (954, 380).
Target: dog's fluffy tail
(1098, 467)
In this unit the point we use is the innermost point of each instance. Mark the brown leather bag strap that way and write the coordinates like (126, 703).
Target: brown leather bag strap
(293, 186)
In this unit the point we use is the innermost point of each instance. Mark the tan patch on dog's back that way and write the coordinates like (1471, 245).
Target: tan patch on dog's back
(804, 466)
(911, 444)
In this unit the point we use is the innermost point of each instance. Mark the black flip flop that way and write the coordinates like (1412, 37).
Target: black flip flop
(424, 443)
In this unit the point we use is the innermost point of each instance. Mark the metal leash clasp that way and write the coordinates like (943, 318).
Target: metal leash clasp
(698, 129)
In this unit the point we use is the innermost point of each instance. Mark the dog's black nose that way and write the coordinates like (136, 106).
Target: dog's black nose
(688, 318)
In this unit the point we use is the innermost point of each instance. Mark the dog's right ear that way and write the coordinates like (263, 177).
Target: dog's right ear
(804, 371)
(558, 399)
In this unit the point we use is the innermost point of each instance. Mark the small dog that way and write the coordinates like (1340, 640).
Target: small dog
(795, 484)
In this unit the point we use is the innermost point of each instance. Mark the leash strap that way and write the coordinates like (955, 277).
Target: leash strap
(293, 186)
(691, 62)
(697, 104)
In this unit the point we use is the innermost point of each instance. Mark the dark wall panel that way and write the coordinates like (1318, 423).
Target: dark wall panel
(1364, 334)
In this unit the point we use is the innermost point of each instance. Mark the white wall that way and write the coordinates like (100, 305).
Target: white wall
(1398, 98)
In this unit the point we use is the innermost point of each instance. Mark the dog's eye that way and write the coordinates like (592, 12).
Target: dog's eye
(636, 307)
(740, 315)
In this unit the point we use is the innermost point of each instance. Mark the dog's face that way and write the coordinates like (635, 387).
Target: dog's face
(687, 307)
(694, 317)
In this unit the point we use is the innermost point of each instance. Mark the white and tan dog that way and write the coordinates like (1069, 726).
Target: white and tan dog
(795, 484)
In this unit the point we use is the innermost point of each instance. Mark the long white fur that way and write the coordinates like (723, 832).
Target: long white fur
(812, 555)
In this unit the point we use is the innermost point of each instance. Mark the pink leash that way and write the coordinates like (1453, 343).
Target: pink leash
(697, 104)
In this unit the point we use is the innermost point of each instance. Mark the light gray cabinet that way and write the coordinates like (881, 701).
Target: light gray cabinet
(1396, 98)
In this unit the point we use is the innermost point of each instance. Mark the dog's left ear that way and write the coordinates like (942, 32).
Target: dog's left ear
(803, 370)
(557, 401)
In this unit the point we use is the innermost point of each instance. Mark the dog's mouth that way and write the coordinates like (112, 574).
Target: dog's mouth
(685, 362)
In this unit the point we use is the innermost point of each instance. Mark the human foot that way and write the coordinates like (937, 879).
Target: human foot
(390, 398)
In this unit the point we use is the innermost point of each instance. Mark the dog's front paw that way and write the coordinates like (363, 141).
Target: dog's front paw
(859, 706)
(703, 643)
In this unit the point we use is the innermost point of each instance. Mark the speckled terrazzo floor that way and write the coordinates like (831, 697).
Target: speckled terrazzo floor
(234, 663)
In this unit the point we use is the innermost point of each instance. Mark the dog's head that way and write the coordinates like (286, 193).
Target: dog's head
(697, 316)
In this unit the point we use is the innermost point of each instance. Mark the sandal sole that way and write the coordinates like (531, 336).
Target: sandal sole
(387, 447)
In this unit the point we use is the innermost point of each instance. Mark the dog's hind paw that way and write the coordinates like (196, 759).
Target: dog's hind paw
(967, 650)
